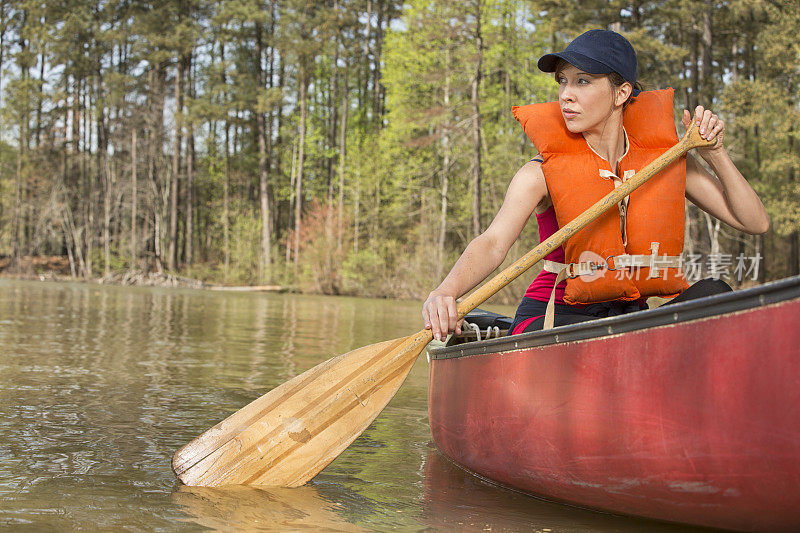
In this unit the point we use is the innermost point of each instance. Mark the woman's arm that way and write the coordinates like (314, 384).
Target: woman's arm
(486, 251)
(727, 196)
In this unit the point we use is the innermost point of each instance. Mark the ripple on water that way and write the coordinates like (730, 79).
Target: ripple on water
(100, 385)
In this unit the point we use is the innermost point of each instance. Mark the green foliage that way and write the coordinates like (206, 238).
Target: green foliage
(321, 250)
(117, 261)
(8, 156)
(365, 272)
(245, 234)
(766, 111)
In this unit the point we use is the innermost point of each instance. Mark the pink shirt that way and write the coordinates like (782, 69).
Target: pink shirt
(542, 286)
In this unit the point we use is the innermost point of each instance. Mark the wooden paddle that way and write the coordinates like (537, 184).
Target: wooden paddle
(285, 437)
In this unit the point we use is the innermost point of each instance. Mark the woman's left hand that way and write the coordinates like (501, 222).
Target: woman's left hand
(711, 128)
(723, 193)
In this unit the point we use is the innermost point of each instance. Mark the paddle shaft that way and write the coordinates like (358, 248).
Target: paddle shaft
(289, 434)
(691, 139)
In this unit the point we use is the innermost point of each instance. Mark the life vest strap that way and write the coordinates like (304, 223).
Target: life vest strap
(613, 262)
(550, 311)
(622, 205)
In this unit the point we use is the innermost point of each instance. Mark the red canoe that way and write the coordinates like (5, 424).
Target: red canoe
(688, 413)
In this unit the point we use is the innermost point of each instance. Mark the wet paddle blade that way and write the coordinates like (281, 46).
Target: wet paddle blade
(285, 437)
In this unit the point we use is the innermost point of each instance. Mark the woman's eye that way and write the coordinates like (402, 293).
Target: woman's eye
(583, 81)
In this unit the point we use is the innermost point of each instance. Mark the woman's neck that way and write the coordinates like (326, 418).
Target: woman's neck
(608, 140)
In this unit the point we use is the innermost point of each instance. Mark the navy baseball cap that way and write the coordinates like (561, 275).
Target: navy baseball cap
(597, 52)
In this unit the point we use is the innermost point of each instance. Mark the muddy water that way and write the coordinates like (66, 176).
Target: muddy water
(100, 385)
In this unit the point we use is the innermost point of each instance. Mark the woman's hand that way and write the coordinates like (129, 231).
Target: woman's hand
(485, 252)
(725, 194)
(440, 315)
(711, 128)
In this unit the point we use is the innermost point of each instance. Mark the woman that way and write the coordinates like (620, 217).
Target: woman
(597, 79)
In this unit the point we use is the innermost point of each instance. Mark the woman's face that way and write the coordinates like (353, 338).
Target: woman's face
(586, 100)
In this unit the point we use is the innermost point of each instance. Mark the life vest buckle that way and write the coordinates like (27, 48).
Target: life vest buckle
(570, 271)
(586, 268)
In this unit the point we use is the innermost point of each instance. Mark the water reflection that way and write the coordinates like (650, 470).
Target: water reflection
(100, 385)
(451, 500)
(455, 500)
(261, 509)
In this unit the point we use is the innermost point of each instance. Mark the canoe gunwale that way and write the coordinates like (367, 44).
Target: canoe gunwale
(701, 308)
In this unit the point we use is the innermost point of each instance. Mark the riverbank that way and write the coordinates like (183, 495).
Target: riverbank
(57, 268)
(35, 267)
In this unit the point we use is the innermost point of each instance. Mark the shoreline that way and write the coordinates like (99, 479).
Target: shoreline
(152, 279)
(56, 268)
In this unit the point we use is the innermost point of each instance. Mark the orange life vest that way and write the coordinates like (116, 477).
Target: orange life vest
(577, 177)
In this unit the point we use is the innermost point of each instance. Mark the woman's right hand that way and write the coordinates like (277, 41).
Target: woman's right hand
(440, 315)
(486, 251)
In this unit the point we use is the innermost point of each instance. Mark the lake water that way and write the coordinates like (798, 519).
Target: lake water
(100, 385)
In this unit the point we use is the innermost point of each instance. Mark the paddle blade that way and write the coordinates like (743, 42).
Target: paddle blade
(285, 437)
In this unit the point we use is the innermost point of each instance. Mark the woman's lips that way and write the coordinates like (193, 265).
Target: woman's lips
(569, 113)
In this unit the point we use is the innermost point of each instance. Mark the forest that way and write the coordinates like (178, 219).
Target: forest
(347, 146)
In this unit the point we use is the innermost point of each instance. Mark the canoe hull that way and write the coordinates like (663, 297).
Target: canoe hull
(696, 422)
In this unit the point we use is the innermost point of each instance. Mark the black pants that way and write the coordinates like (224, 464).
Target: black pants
(531, 312)
(701, 289)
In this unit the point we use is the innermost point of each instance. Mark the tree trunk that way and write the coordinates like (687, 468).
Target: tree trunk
(89, 196)
(357, 213)
(2, 48)
(476, 126)
(190, 161)
(21, 204)
(713, 228)
(342, 163)
(103, 169)
(134, 200)
(695, 70)
(276, 115)
(367, 38)
(172, 255)
(793, 262)
(226, 200)
(377, 100)
(108, 179)
(687, 97)
(445, 180)
(331, 285)
(292, 179)
(707, 40)
(226, 184)
(333, 98)
(155, 142)
(16, 223)
(75, 183)
(265, 262)
(762, 272)
(636, 13)
(40, 99)
(298, 202)
(190, 157)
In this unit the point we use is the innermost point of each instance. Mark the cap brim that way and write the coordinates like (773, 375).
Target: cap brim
(547, 63)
